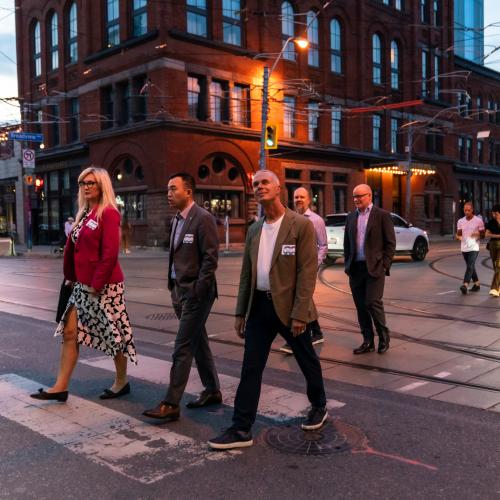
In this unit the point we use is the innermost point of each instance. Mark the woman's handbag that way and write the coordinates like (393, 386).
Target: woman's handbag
(64, 295)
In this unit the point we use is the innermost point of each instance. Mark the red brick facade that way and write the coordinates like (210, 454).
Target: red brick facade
(150, 131)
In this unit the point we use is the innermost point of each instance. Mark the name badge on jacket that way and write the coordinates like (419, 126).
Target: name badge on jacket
(92, 224)
(188, 239)
(288, 250)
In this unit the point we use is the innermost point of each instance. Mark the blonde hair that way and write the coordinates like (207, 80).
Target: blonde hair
(107, 197)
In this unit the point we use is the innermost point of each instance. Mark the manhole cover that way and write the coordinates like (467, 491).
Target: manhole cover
(334, 437)
(161, 316)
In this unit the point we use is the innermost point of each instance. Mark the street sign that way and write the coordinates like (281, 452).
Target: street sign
(28, 180)
(25, 136)
(29, 159)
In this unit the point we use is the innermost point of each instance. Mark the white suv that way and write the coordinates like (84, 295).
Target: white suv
(409, 240)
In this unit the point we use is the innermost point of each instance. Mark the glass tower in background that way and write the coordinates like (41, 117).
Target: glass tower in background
(469, 34)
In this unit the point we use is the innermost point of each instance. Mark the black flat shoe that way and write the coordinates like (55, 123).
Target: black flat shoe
(50, 396)
(364, 347)
(109, 394)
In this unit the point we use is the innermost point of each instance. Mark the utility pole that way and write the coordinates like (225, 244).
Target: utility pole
(265, 94)
(409, 174)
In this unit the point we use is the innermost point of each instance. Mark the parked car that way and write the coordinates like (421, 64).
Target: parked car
(409, 240)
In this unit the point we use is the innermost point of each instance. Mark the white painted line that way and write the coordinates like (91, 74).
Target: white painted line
(275, 403)
(446, 293)
(442, 374)
(410, 387)
(135, 449)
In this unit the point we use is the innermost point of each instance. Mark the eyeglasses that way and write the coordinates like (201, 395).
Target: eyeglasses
(89, 184)
(358, 196)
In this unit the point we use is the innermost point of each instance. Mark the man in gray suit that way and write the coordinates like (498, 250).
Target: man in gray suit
(191, 279)
(369, 246)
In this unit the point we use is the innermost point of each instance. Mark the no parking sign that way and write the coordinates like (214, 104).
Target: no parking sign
(29, 159)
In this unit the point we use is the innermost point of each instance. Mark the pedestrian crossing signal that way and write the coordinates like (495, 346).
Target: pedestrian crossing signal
(271, 137)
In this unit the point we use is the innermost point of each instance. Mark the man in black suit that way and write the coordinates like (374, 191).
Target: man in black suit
(192, 263)
(369, 246)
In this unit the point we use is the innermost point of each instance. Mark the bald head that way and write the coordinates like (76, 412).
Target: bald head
(301, 200)
(362, 195)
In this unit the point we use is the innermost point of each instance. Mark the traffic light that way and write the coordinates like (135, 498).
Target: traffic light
(271, 137)
(38, 184)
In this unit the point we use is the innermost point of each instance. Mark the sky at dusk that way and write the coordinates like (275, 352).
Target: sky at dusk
(8, 79)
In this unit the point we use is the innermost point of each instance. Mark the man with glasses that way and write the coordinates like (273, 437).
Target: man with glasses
(369, 246)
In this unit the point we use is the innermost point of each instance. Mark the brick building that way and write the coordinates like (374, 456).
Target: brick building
(145, 88)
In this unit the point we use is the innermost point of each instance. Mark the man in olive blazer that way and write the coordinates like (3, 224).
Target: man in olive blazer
(369, 246)
(277, 282)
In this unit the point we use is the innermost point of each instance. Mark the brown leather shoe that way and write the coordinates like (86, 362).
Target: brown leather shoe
(206, 399)
(163, 411)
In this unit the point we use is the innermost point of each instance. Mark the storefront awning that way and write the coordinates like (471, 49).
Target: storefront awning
(401, 168)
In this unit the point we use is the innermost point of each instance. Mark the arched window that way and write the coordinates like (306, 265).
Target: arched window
(37, 49)
(377, 59)
(287, 30)
(53, 42)
(72, 34)
(313, 39)
(335, 46)
(395, 65)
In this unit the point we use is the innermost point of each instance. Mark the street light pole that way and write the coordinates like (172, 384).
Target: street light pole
(409, 174)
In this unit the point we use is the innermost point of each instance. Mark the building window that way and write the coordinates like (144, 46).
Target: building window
(434, 143)
(139, 17)
(197, 97)
(376, 134)
(287, 30)
(395, 135)
(112, 23)
(424, 11)
(37, 49)
(140, 86)
(468, 147)
(241, 105)
(398, 4)
(335, 46)
(219, 101)
(340, 193)
(491, 148)
(461, 148)
(231, 21)
(436, 13)
(53, 119)
(289, 117)
(108, 107)
(377, 59)
(72, 34)
(221, 203)
(74, 120)
(479, 107)
(425, 72)
(123, 101)
(131, 205)
(394, 65)
(53, 42)
(197, 17)
(313, 121)
(480, 153)
(313, 39)
(491, 111)
(336, 125)
(437, 66)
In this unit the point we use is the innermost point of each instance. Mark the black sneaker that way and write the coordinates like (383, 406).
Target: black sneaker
(463, 289)
(315, 419)
(231, 438)
(317, 338)
(475, 288)
(286, 349)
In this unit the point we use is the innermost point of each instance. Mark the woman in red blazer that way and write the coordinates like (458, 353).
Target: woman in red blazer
(96, 315)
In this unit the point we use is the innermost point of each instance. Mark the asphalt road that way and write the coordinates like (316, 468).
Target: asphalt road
(379, 442)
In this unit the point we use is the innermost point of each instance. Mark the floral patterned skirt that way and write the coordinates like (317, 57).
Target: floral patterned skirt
(103, 322)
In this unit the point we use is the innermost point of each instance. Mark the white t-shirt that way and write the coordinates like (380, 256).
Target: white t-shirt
(468, 227)
(266, 250)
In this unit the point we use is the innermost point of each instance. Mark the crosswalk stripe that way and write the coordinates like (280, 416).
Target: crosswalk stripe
(133, 448)
(275, 402)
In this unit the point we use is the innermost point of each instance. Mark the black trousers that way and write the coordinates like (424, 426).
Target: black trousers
(470, 271)
(367, 293)
(261, 329)
(191, 342)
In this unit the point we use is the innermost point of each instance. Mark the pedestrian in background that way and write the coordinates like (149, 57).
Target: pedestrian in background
(369, 246)
(493, 233)
(96, 315)
(277, 283)
(68, 226)
(470, 229)
(192, 263)
(302, 205)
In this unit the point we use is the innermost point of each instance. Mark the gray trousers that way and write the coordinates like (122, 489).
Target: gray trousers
(191, 342)
(367, 293)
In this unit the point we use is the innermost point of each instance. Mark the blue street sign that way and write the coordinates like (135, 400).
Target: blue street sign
(25, 136)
